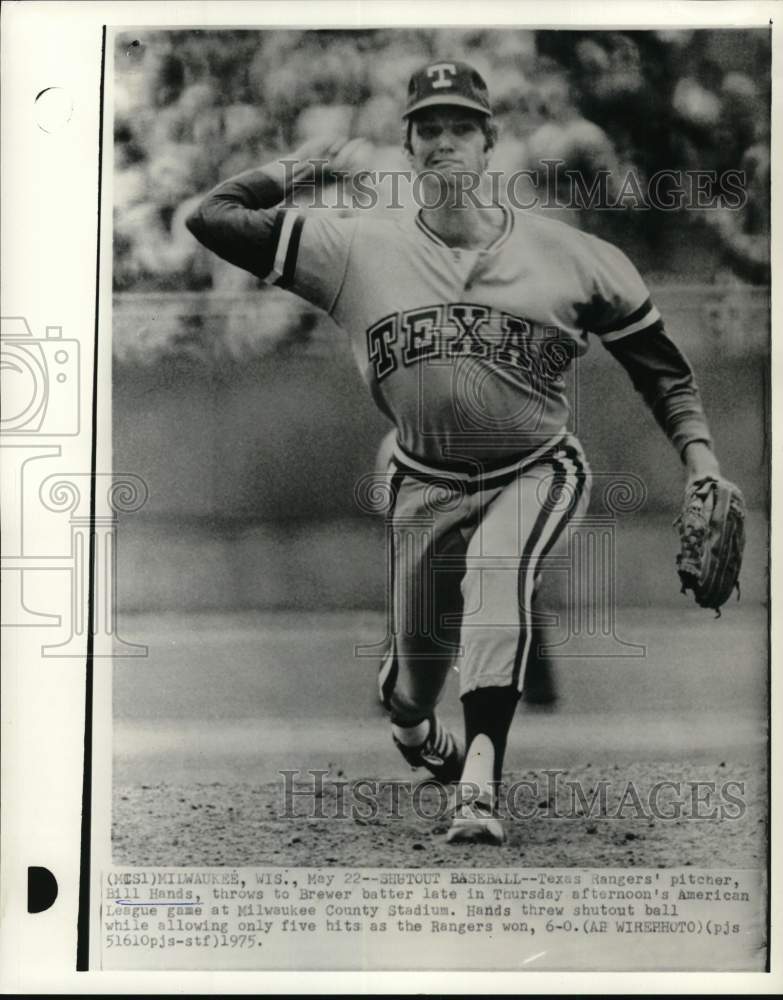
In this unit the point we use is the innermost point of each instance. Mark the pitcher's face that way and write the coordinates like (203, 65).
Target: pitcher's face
(448, 141)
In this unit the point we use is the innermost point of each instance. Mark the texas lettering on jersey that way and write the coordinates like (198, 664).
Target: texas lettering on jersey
(440, 332)
(467, 351)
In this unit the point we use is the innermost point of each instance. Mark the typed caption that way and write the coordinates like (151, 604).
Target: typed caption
(301, 918)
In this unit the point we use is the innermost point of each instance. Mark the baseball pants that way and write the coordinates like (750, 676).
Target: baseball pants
(465, 554)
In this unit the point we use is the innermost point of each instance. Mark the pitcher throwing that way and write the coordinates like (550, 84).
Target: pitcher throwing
(464, 318)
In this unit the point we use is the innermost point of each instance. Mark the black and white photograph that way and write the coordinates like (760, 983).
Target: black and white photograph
(436, 580)
(366, 414)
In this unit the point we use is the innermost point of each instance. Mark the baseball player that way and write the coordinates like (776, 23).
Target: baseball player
(464, 318)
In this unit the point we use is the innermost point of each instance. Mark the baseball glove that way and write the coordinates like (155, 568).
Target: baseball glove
(712, 540)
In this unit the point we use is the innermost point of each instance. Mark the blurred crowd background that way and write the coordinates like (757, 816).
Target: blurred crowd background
(194, 107)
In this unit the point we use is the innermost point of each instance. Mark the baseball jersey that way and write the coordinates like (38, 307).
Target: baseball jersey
(467, 351)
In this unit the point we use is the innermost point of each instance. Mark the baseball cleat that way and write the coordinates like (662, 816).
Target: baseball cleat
(440, 753)
(475, 823)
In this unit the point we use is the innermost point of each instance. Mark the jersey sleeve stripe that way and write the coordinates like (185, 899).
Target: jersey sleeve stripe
(281, 236)
(621, 324)
(289, 265)
(645, 316)
(636, 320)
(652, 321)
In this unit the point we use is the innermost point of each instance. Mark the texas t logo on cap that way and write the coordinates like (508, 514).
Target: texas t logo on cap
(450, 83)
(441, 74)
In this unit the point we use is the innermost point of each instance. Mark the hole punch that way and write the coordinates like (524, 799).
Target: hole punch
(53, 109)
(41, 889)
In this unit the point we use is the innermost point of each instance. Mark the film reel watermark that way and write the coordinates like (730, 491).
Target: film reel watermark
(586, 555)
(70, 496)
(590, 567)
(52, 523)
(411, 539)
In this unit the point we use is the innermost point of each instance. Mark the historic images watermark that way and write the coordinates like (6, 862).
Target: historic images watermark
(314, 794)
(550, 185)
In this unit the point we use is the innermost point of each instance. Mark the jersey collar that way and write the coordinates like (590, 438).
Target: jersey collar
(495, 245)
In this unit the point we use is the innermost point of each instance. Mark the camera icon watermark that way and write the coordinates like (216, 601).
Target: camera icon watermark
(40, 381)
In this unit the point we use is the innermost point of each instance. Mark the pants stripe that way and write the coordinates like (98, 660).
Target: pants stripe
(390, 668)
(549, 530)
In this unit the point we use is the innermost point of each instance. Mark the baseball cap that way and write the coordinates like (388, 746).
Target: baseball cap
(447, 82)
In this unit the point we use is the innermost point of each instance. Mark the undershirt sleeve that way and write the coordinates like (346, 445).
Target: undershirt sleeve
(239, 221)
(664, 378)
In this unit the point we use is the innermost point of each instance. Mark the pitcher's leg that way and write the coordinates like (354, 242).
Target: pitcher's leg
(427, 606)
(506, 554)
(540, 687)
(521, 525)
(428, 553)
